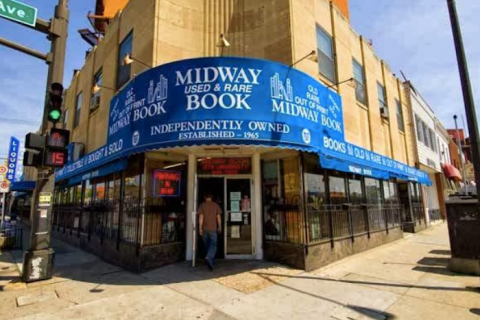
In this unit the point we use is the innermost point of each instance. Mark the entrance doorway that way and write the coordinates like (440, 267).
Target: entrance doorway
(233, 194)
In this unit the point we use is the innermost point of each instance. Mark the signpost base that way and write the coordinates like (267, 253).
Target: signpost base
(38, 265)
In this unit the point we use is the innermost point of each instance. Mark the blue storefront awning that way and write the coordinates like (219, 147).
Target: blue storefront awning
(339, 165)
(23, 186)
(231, 101)
(349, 157)
(100, 172)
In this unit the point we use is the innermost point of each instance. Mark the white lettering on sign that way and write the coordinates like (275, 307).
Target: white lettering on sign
(224, 101)
(335, 145)
(212, 74)
(294, 110)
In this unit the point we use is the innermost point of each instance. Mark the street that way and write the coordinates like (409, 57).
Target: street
(407, 279)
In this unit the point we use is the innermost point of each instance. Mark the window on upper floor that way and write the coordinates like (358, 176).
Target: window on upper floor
(426, 135)
(78, 110)
(96, 90)
(359, 77)
(382, 100)
(400, 122)
(419, 126)
(433, 145)
(123, 71)
(326, 57)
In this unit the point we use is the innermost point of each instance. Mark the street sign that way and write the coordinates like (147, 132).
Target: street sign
(3, 170)
(45, 199)
(17, 11)
(4, 187)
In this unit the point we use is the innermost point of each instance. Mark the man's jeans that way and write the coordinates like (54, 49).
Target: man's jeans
(210, 240)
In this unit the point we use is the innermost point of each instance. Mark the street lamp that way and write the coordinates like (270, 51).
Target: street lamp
(128, 59)
(312, 56)
(96, 88)
(351, 83)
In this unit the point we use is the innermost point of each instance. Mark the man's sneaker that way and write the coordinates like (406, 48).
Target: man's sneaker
(209, 265)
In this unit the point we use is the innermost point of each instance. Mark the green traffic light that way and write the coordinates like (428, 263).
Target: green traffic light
(54, 115)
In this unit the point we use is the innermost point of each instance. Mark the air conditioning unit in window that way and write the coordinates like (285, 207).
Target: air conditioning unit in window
(384, 112)
(95, 102)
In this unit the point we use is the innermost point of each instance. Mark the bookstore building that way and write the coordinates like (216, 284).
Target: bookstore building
(266, 140)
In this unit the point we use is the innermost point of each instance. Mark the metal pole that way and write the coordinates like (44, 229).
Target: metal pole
(460, 153)
(467, 92)
(23, 49)
(38, 260)
(3, 209)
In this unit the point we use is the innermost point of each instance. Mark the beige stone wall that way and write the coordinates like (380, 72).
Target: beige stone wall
(92, 128)
(363, 124)
(278, 30)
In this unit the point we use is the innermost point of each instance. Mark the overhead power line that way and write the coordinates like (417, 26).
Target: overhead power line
(19, 121)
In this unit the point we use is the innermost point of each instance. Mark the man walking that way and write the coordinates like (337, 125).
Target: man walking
(210, 224)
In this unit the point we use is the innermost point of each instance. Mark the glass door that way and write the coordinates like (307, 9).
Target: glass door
(238, 218)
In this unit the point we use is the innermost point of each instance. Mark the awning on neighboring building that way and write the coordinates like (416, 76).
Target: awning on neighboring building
(23, 186)
(451, 172)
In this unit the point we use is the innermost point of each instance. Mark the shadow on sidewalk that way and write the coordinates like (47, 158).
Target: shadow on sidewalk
(386, 284)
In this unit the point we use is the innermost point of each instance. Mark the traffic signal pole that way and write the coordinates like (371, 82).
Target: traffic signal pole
(467, 93)
(39, 259)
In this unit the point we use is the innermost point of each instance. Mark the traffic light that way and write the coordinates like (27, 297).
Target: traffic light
(55, 153)
(55, 102)
(48, 151)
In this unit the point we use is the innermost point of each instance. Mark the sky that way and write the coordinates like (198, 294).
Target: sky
(415, 36)
(410, 35)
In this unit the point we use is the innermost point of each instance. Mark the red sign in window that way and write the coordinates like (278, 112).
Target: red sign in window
(166, 183)
(225, 166)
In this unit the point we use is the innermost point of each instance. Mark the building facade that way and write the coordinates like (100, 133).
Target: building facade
(251, 101)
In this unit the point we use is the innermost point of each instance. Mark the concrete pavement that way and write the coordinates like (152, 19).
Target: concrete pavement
(406, 279)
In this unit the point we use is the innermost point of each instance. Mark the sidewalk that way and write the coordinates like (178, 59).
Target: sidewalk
(406, 279)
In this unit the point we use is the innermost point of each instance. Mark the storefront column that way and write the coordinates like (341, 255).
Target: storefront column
(257, 187)
(190, 204)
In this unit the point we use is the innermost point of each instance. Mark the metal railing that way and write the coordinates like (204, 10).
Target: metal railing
(418, 213)
(285, 222)
(333, 222)
(435, 215)
(11, 238)
(127, 222)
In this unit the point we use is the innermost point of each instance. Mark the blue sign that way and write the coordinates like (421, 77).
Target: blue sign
(223, 101)
(13, 151)
(227, 100)
(357, 155)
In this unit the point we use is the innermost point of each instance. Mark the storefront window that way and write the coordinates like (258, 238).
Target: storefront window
(165, 202)
(113, 207)
(88, 197)
(282, 200)
(391, 207)
(376, 217)
(100, 190)
(78, 195)
(355, 190)
(373, 191)
(338, 193)
(390, 192)
(315, 192)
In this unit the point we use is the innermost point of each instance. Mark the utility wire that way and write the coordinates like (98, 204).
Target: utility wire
(19, 121)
